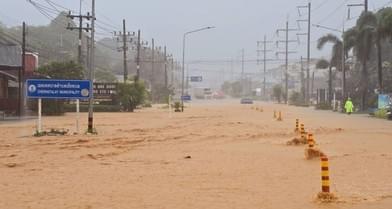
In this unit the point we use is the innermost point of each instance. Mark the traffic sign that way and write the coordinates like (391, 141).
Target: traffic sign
(196, 78)
(186, 98)
(58, 89)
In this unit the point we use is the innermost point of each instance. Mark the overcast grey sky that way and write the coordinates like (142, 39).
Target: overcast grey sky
(239, 23)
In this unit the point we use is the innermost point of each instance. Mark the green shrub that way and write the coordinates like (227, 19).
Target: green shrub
(131, 95)
(296, 99)
(277, 92)
(381, 113)
(177, 106)
(50, 107)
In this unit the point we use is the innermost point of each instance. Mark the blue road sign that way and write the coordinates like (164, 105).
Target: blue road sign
(186, 98)
(58, 89)
(196, 78)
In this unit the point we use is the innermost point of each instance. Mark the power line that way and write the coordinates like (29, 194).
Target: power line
(320, 5)
(333, 12)
(109, 23)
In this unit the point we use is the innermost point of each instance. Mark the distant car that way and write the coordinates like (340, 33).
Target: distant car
(389, 112)
(218, 95)
(246, 101)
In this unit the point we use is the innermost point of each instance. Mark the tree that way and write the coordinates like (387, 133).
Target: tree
(131, 95)
(58, 70)
(296, 99)
(383, 31)
(103, 75)
(62, 70)
(277, 92)
(226, 87)
(336, 57)
(360, 38)
(161, 93)
(324, 64)
(234, 89)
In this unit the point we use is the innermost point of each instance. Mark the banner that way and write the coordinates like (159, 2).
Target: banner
(384, 100)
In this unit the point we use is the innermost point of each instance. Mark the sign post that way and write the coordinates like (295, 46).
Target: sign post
(77, 115)
(170, 107)
(39, 125)
(57, 89)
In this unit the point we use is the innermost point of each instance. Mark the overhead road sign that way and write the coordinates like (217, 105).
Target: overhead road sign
(196, 78)
(186, 98)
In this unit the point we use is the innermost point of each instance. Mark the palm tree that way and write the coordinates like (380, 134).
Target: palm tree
(369, 33)
(336, 58)
(361, 38)
(383, 31)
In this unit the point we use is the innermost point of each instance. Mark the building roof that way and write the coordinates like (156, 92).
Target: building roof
(10, 56)
(13, 75)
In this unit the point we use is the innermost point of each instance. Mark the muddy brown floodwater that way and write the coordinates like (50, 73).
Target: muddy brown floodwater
(213, 156)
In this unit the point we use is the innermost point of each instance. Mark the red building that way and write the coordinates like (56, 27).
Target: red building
(12, 76)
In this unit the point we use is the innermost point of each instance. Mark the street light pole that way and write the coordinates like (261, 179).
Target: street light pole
(183, 61)
(183, 72)
(343, 65)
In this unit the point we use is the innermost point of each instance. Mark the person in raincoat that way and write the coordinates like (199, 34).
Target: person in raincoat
(349, 106)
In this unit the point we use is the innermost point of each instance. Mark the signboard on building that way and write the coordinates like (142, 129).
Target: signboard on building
(384, 100)
(105, 91)
(196, 78)
(186, 98)
(58, 89)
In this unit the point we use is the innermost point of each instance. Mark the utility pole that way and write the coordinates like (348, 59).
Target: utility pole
(302, 77)
(231, 69)
(124, 37)
(344, 65)
(91, 73)
(80, 29)
(21, 73)
(308, 20)
(287, 64)
(138, 57)
(264, 51)
(308, 57)
(172, 72)
(125, 48)
(312, 89)
(366, 6)
(165, 64)
(243, 71)
(88, 45)
(80, 60)
(152, 68)
(286, 52)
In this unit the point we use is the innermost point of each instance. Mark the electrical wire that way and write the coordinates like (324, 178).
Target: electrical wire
(333, 12)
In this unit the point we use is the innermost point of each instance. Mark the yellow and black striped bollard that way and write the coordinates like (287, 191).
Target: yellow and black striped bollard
(275, 114)
(311, 141)
(303, 133)
(297, 126)
(280, 118)
(325, 174)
